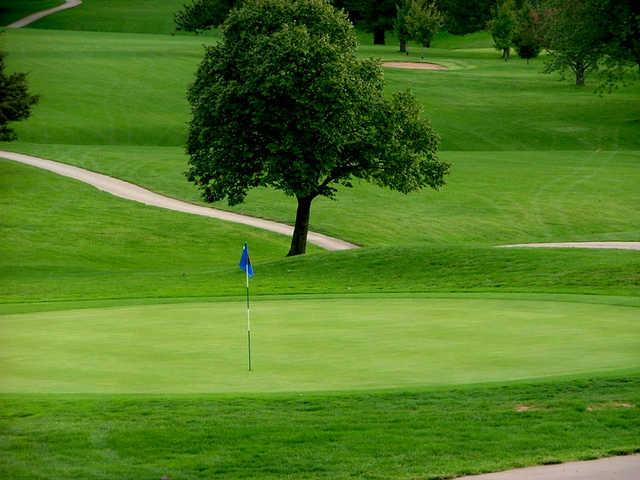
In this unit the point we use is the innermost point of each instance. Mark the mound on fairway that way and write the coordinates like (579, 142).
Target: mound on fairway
(313, 344)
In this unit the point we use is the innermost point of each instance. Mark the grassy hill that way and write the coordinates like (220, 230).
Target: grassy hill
(541, 170)
(123, 325)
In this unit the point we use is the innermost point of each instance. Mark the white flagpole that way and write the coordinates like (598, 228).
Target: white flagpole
(246, 269)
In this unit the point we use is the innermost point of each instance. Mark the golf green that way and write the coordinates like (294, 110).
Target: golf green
(314, 344)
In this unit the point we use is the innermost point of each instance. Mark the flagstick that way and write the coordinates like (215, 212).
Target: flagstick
(246, 269)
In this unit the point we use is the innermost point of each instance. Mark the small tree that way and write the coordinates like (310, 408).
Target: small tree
(423, 21)
(15, 100)
(400, 25)
(573, 33)
(526, 39)
(202, 15)
(502, 27)
(283, 101)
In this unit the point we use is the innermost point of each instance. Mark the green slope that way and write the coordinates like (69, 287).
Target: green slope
(404, 435)
(65, 240)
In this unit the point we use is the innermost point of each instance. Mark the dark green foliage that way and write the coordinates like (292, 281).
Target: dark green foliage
(15, 100)
(466, 16)
(438, 433)
(621, 44)
(202, 15)
(378, 17)
(502, 26)
(573, 33)
(526, 39)
(423, 21)
(307, 116)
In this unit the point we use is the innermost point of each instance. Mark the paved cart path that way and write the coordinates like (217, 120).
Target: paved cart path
(23, 22)
(133, 192)
(612, 468)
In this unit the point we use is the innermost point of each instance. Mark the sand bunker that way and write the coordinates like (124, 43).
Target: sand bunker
(414, 65)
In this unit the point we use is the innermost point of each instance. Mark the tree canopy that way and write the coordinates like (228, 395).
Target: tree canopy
(15, 100)
(202, 15)
(308, 116)
(502, 26)
(423, 21)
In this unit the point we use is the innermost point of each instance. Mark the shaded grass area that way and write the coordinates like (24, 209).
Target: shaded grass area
(12, 10)
(316, 344)
(421, 434)
(65, 240)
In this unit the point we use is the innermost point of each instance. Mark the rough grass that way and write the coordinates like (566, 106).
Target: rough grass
(402, 435)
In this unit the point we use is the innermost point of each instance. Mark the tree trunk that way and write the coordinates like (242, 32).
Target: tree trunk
(378, 36)
(403, 45)
(506, 52)
(580, 71)
(426, 43)
(299, 239)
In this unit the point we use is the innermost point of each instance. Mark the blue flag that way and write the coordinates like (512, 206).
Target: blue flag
(245, 261)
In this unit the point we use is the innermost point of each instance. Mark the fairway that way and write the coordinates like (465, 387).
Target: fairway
(427, 353)
(314, 344)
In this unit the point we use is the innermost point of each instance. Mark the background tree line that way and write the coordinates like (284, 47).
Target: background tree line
(580, 36)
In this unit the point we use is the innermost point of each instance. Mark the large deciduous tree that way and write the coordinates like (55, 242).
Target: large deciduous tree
(15, 100)
(573, 34)
(283, 101)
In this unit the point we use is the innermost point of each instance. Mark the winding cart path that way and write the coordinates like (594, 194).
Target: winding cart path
(129, 191)
(23, 22)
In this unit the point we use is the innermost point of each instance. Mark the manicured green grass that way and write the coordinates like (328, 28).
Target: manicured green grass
(140, 16)
(314, 344)
(12, 10)
(65, 240)
(128, 89)
(492, 197)
(62, 228)
(403, 435)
